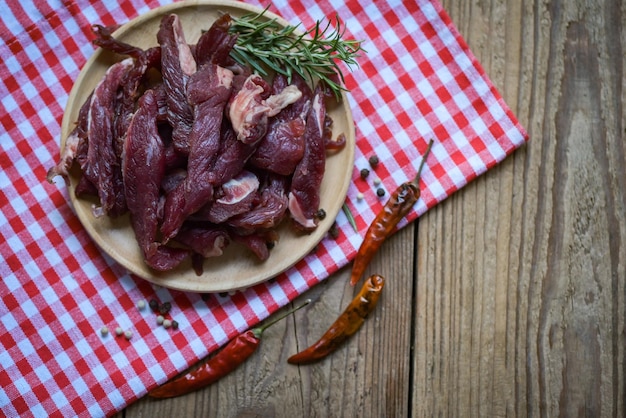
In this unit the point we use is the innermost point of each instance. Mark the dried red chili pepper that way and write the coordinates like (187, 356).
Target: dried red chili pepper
(346, 325)
(218, 366)
(399, 204)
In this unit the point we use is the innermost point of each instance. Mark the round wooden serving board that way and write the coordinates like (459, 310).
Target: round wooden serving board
(237, 268)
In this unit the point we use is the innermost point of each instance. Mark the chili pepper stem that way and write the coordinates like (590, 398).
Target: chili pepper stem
(416, 180)
(258, 331)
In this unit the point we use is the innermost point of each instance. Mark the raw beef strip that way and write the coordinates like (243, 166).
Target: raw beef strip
(304, 195)
(233, 155)
(211, 85)
(259, 244)
(74, 142)
(84, 186)
(103, 164)
(177, 65)
(173, 158)
(144, 60)
(251, 107)
(332, 144)
(206, 239)
(144, 167)
(269, 211)
(283, 146)
(208, 92)
(130, 92)
(214, 45)
(106, 40)
(236, 196)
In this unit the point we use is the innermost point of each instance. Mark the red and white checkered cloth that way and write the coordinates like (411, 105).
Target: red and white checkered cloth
(57, 289)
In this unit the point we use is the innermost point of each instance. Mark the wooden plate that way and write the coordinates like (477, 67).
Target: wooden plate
(237, 268)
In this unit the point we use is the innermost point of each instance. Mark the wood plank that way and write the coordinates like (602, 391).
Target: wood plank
(521, 309)
(367, 377)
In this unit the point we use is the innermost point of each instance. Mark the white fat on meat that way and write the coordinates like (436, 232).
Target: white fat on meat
(225, 77)
(298, 215)
(239, 187)
(187, 61)
(287, 96)
(248, 112)
(317, 111)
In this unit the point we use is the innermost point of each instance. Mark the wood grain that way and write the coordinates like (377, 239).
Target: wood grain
(509, 298)
(524, 315)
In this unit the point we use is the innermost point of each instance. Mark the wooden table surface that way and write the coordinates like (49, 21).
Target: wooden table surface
(507, 299)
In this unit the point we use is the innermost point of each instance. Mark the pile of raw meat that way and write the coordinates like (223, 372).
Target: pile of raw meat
(198, 150)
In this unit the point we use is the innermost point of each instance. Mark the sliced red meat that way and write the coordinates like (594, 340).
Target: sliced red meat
(106, 40)
(85, 188)
(258, 243)
(304, 195)
(234, 197)
(131, 89)
(270, 209)
(205, 239)
(144, 168)
(164, 258)
(208, 90)
(232, 158)
(103, 163)
(214, 45)
(282, 147)
(332, 144)
(251, 107)
(177, 65)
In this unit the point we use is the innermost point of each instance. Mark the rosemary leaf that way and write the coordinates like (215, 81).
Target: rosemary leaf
(314, 55)
(348, 212)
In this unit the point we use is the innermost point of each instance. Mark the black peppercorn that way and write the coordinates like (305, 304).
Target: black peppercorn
(165, 308)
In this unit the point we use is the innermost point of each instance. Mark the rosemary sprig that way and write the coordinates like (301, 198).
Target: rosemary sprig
(315, 55)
